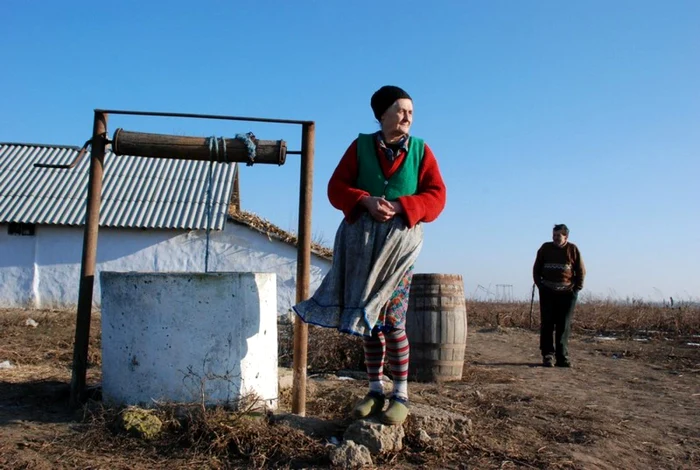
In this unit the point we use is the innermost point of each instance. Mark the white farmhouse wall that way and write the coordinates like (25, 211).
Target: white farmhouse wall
(43, 271)
(16, 269)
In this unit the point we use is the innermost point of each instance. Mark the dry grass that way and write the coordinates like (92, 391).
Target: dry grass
(213, 438)
(328, 350)
(507, 428)
(48, 344)
(595, 316)
(219, 438)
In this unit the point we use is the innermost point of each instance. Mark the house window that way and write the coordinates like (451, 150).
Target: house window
(23, 230)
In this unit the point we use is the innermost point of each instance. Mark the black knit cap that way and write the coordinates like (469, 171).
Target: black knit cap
(383, 98)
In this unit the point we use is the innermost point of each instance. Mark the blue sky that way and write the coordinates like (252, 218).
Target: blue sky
(539, 112)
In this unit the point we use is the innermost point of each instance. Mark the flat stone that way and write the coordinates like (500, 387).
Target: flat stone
(351, 455)
(374, 435)
(436, 421)
(314, 427)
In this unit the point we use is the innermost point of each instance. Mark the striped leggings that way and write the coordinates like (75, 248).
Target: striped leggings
(392, 345)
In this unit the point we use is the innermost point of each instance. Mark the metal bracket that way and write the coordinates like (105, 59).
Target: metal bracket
(77, 159)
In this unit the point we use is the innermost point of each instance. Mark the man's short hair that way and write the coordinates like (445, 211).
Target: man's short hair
(562, 228)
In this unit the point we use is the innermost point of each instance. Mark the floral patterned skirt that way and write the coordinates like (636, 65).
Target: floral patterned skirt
(393, 315)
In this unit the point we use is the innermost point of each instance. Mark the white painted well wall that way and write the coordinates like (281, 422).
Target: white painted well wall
(189, 338)
(43, 271)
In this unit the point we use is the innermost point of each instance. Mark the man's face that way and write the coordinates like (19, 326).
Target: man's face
(559, 238)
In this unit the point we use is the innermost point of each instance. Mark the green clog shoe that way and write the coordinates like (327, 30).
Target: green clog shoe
(370, 405)
(396, 413)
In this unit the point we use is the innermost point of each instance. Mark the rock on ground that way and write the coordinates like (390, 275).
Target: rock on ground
(377, 437)
(351, 455)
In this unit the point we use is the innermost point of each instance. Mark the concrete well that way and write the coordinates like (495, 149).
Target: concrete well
(189, 338)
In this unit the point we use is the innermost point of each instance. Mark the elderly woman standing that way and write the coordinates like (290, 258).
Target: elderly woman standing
(386, 184)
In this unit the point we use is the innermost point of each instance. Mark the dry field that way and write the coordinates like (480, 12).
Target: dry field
(631, 401)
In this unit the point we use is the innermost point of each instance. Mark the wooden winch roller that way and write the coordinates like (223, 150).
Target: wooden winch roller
(218, 149)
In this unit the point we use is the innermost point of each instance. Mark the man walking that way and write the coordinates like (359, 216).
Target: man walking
(558, 273)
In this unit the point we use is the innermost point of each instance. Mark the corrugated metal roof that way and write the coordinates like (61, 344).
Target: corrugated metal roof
(137, 192)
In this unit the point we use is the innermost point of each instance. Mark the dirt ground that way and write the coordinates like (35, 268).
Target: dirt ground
(629, 403)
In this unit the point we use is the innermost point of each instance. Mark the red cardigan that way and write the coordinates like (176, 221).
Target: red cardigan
(424, 206)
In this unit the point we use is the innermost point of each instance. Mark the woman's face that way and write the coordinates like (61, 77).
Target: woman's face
(396, 121)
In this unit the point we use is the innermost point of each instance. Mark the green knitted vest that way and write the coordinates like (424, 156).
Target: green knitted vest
(371, 178)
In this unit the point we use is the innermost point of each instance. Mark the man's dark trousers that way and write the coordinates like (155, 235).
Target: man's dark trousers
(556, 311)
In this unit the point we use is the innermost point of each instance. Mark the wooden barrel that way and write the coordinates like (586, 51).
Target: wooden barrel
(436, 326)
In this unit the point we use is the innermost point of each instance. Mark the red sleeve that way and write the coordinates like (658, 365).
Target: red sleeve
(342, 191)
(429, 201)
